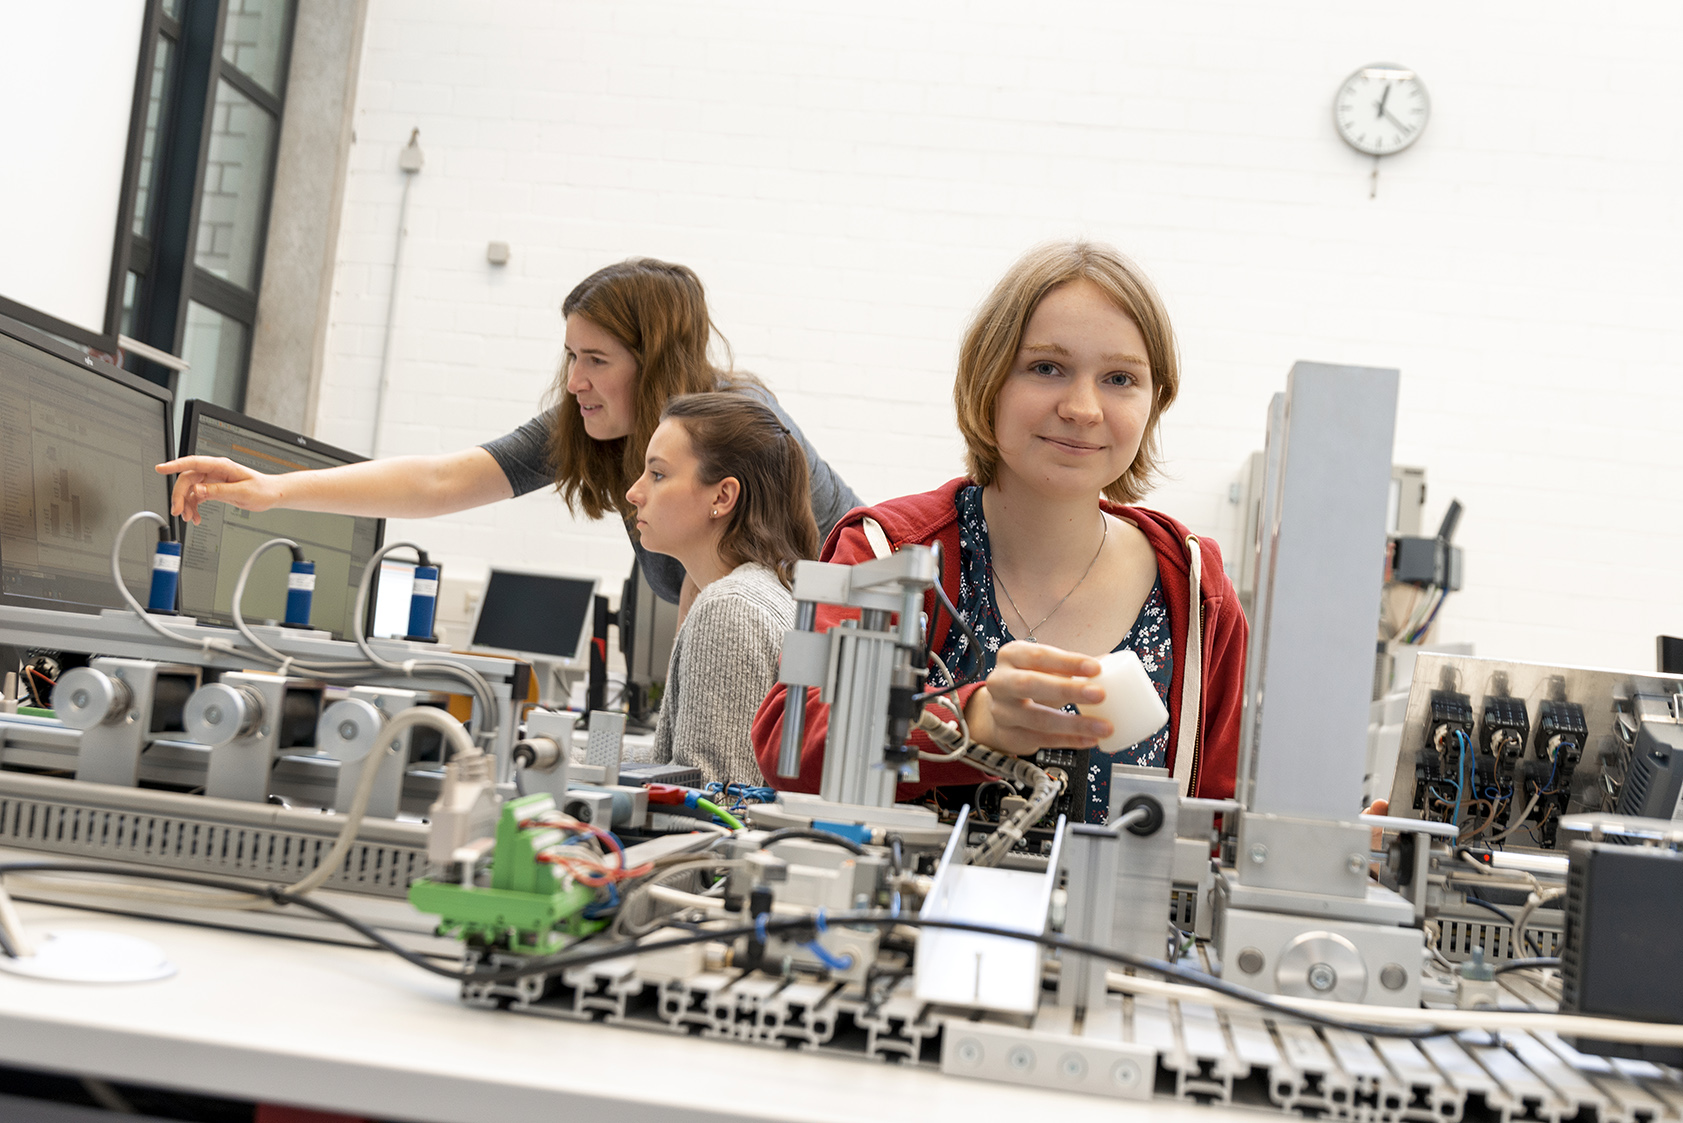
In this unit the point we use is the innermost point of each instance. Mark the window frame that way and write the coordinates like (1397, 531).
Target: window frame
(169, 277)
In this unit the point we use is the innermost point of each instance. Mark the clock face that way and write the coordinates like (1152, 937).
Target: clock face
(1381, 109)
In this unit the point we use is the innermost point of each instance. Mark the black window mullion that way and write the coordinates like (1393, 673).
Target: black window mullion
(162, 314)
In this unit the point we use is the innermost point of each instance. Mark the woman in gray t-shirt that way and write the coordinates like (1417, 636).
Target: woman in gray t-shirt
(637, 336)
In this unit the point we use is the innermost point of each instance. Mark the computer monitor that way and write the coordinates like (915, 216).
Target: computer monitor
(647, 628)
(529, 613)
(78, 442)
(214, 551)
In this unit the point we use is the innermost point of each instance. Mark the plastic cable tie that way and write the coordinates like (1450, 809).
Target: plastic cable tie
(821, 922)
(760, 927)
(409, 667)
(285, 666)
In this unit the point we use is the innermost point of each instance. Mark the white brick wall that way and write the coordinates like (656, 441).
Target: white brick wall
(849, 180)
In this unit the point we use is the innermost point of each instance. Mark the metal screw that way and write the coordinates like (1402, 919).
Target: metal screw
(1021, 1058)
(969, 1051)
(1259, 853)
(263, 731)
(347, 730)
(1250, 961)
(80, 699)
(213, 715)
(1357, 863)
(1125, 1073)
(1393, 977)
(1322, 977)
(1072, 1066)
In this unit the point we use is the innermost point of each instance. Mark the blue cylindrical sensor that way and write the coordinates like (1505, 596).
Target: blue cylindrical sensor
(300, 589)
(166, 577)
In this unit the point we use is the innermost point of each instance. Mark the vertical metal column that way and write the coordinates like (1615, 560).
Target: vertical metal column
(1310, 679)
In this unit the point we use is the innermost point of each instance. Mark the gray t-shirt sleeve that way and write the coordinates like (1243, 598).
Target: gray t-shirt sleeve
(523, 455)
(831, 497)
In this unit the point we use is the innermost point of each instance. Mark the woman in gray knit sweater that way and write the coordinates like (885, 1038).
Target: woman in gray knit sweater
(724, 490)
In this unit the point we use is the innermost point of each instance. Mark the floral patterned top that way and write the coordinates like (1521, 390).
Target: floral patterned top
(1148, 638)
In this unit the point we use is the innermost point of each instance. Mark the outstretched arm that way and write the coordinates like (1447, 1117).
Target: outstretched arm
(411, 487)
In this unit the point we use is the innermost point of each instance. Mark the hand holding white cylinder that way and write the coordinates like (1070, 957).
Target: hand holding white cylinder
(1130, 704)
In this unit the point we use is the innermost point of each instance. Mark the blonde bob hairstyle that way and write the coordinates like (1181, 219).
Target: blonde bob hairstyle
(658, 310)
(994, 337)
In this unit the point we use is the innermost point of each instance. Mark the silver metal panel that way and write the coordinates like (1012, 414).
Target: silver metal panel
(1360, 960)
(1598, 690)
(1304, 855)
(990, 972)
(71, 818)
(1090, 857)
(1145, 869)
(1257, 548)
(1311, 680)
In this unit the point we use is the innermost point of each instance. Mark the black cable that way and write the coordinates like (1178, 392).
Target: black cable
(1522, 964)
(816, 835)
(969, 634)
(767, 924)
(1505, 915)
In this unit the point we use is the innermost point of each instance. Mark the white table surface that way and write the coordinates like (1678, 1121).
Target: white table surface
(360, 1031)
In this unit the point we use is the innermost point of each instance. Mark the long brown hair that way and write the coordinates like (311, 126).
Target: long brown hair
(658, 311)
(990, 349)
(734, 435)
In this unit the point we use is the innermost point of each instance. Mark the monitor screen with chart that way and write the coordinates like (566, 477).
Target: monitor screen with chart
(78, 441)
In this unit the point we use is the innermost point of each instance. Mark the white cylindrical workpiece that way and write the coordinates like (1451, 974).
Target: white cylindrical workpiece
(1130, 702)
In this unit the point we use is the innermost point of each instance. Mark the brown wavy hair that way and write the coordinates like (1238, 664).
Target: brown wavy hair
(658, 311)
(996, 334)
(734, 435)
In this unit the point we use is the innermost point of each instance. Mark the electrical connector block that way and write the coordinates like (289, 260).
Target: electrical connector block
(466, 808)
(530, 907)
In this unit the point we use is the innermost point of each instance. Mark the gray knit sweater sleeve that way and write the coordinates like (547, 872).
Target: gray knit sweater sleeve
(724, 662)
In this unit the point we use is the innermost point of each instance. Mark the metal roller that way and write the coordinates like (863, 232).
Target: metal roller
(219, 714)
(86, 698)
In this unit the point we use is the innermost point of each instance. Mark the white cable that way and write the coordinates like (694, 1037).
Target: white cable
(1016, 770)
(460, 744)
(1533, 1021)
(1523, 816)
(485, 722)
(1532, 903)
(957, 711)
(145, 616)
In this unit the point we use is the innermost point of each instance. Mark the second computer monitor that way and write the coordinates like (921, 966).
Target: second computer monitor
(530, 613)
(340, 545)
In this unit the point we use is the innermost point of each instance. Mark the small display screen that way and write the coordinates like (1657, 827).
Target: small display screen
(536, 614)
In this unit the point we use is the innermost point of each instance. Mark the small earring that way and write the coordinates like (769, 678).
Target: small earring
(715, 512)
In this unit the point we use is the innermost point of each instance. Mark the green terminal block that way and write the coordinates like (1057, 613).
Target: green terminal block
(530, 907)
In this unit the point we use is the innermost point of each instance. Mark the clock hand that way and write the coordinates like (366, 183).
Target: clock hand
(1391, 117)
(1382, 99)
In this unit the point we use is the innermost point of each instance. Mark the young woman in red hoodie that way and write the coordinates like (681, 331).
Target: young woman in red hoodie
(1063, 377)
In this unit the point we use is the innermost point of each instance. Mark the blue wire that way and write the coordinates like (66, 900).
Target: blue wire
(827, 957)
(1460, 771)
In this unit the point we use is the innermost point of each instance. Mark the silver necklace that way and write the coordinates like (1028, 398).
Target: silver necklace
(1104, 527)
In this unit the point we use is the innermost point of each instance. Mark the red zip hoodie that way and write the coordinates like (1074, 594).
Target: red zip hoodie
(1216, 693)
